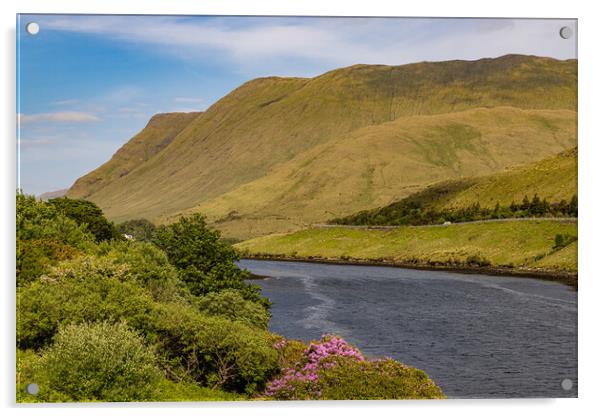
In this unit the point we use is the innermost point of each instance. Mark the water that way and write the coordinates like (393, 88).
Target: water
(477, 336)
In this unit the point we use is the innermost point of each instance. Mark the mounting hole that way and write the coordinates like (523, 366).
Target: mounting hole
(566, 32)
(567, 384)
(32, 388)
(32, 28)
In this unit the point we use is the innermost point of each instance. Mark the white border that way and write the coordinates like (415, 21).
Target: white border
(590, 176)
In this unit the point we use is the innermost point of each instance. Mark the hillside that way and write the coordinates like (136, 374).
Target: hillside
(156, 135)
(518, 108)
(379, 164)
(512, 245)
(553, 179)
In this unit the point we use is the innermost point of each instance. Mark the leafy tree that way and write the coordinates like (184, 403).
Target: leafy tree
(205, 263)
(140, 229)
(88, 213)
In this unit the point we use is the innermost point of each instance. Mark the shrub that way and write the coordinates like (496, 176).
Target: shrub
(477, 260)
(333, 369)
(375, 380)
(563, 240)
(211, 350)
(100, 361)
(86, 289)
(45, 237)
(231, 304)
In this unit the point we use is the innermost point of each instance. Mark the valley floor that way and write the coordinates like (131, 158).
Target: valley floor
(528, 248)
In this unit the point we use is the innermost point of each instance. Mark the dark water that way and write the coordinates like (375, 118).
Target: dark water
(475, 335)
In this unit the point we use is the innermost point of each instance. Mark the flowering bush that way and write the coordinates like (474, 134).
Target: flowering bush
(301, 381)
(334, 369)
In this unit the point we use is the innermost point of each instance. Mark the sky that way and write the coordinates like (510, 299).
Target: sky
(87, 83)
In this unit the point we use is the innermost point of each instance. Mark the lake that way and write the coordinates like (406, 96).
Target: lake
(476, 336)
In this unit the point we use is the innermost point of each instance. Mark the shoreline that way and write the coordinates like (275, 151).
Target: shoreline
(567, 278)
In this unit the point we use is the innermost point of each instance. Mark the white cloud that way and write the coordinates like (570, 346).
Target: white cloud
(58, 117)
(276, 42)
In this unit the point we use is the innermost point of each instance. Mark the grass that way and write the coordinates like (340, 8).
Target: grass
(379, 164)
(553, 179)
(513, 244)
(331, 139)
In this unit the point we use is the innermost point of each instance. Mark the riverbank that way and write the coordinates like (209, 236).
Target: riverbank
(550, 275)
(515, 248)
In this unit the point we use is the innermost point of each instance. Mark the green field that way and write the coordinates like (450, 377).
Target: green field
(526, 245)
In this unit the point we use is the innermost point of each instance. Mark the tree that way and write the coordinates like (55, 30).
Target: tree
(89, 214)
(526, 204)
(573, 206)
(205, 263)
(141, 229)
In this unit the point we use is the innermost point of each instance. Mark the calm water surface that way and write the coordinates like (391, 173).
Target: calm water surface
(475, 335)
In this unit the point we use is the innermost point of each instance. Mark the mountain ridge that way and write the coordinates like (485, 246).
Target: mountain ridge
(269, 121)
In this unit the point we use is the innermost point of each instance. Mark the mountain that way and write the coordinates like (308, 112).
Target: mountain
(158, 133)
(53, 194)
(277, 153)
(553, 179)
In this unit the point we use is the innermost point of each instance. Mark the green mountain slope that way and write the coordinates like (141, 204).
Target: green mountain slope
(156, 135)
(268, 125)
(379, 164)
(553, 179)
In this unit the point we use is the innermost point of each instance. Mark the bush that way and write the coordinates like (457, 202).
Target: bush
(101, 361)
(230, 304)
(148, 265)
(45, 237)
(211, 350)
(563, 240)
(334, 370)
(380, 379)
(86, 289)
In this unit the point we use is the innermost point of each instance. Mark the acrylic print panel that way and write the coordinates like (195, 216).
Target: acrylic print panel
(295, 208)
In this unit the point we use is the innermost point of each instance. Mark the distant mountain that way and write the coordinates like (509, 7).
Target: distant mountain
(53, 194)
(278, 153)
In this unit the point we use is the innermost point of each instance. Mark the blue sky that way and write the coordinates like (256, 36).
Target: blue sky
(87, 84)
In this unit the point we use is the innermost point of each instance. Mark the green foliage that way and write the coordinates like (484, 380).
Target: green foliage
(413, 211)
(563, 240)
(140, 229)
(87, 289)
(171, 391)
(89, 214)
(213, 351)
(45, 237)
(102, 361)
(232, 305)
(204, 262)
(385, 379)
